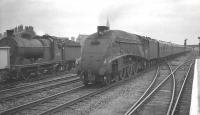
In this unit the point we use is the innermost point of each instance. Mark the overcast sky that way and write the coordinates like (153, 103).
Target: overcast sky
(167, 20)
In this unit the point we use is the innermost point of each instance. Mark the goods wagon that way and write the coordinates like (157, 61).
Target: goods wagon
(71, 50)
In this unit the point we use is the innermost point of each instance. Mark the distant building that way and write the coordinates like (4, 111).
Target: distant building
(61, 38)
(4, 34)
(1, 35)
(28, 29)
(19, 29)
(73, 38)
(81, 38)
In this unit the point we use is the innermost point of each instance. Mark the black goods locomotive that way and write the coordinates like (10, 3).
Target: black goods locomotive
(112, 55)
(32, 55)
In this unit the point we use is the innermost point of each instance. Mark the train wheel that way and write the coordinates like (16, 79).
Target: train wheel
(12, 75)
(18, 75)
(59, 68)
(107, 79)
(117, 77)
(25, 76)
(85, 80)
(122, 74)
(22, 75)
(4, 75)
(85, 83)
(146, 65)
(149, 65)
(132, 69)
(129, 71)
(135, 70)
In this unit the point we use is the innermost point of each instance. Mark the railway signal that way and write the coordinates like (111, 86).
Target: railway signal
(185, 42)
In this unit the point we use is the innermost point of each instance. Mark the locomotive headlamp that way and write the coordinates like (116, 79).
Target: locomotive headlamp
(105, 61)
(78, 60)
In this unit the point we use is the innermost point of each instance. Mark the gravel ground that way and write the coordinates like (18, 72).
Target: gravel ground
(119, 99)
(114, 101)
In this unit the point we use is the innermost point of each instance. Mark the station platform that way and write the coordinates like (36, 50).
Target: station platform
(195, 97)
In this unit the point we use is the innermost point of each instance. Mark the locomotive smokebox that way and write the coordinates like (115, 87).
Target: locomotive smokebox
(102, 29)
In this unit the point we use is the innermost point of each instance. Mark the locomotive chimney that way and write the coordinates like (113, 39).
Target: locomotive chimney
(102, 29)
(9, 33)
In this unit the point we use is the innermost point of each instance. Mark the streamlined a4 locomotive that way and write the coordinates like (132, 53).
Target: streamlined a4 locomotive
(113, 55)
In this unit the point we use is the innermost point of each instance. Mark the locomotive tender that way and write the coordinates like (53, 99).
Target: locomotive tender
(112, 55)
(33, 55)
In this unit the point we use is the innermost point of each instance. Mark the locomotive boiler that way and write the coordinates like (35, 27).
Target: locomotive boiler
(112, 55)
(22, 47)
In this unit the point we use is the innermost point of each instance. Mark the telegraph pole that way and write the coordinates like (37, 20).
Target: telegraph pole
(199, 45)
(185, 44)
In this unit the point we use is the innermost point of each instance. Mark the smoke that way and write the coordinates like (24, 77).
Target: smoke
(39, 31)
(115, 14)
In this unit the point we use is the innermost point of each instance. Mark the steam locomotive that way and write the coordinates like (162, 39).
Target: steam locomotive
(31, 55)
(112, 55)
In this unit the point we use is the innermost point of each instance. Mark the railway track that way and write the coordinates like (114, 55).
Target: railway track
(186, 91)
(34, 84)
(147, 90)
(54, 103)
(157, 79)
(148, 96)
(36, 87)
(60, 107)
(175, 102)
(16, 110)
(35, 80)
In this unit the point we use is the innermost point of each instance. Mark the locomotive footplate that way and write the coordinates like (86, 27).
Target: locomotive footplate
(88, 77)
